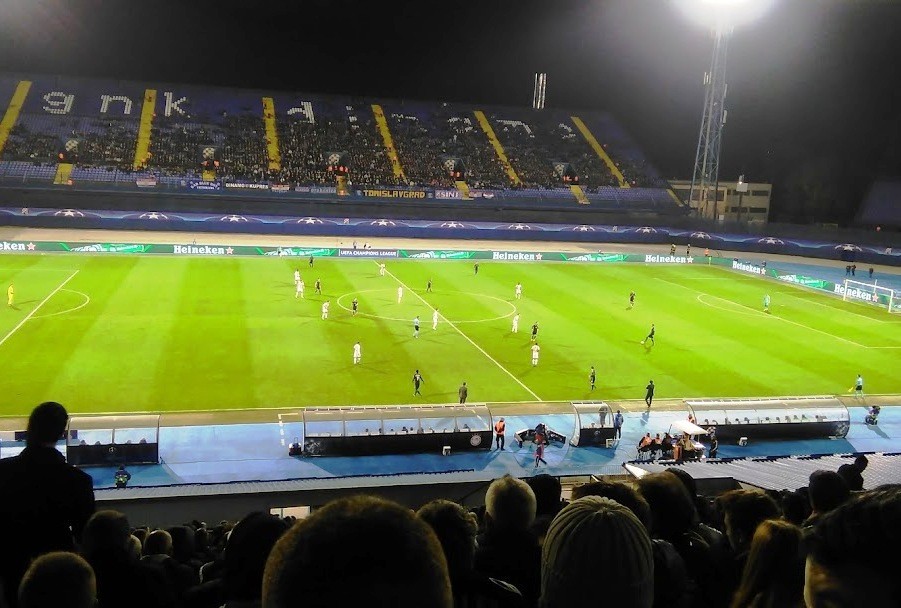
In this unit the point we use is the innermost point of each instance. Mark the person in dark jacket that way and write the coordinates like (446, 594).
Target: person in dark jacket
(456, 530)
(46, 502)
(508, 549)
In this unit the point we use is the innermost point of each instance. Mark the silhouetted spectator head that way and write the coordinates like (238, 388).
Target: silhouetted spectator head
(827, 491)
(743, 510)
(159, 542)
(852, 473)
(509, 504)
(795, 507)
(58, 579)
(246, 553)
(134, 547)
(106, 534)
(594, 535)
(456, 529)
(182, 543)
(354, 552)
(774, 571)
(861, 463)
(851, 559)
(672, 509)
(622, 493)
(687, 480)
(548, 491)
(47, 423)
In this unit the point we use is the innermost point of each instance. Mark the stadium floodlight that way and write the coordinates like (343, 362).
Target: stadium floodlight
(720, 17)
(723, 14)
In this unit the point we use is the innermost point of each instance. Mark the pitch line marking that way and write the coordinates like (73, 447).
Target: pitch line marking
(87, 300)
(793, 294)
(468, 339)
(819, 331)
(36, 308)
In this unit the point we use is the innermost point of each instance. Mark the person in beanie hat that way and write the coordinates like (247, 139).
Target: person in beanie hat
(592, 535)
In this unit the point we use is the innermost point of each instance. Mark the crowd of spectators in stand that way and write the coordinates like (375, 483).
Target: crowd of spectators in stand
(651, 543)
(423, 145)
(305, 149)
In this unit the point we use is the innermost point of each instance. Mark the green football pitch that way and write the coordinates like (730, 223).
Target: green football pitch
(131, 333)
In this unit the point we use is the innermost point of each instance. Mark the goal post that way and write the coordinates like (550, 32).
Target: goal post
(858, 291)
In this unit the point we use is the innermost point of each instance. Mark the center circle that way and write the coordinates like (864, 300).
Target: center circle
(442, 300)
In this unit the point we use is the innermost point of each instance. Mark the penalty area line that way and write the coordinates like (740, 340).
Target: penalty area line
(760, 312)
(467, 338)
(36, 308)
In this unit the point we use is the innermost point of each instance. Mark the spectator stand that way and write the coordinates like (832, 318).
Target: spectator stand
(113, 440)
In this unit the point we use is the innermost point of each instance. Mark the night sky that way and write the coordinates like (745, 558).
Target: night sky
(814, 86)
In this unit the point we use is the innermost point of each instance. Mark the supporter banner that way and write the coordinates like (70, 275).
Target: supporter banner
(394, 193)
(146, 183)
(448, 194)
(368, 253)
(280, 188)
(246, 186)
(195, 184)
(481, 194)
(305, 252)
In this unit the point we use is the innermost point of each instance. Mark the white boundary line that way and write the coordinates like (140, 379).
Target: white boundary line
(87, 300)
(36, 308)
(468, 339)
(819, 331)
(793, 294)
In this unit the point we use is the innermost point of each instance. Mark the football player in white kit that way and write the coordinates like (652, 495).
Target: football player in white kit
(300, 286)
(358, 353)
(535, 350)
(325, 306)
(435, 319)
(518, 291)
(400, 294)
(516, 323)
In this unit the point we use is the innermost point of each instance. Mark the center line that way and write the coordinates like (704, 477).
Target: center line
(468, 339)
(36, 308)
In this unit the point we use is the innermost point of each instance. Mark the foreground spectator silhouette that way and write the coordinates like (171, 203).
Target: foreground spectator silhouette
(671, 589)
(456, 529)
(853, 473)
(158, 550)
(507, 548)
(596, 537)
(246, 552)
(774, 573)
(743, 511)
(122, 579)
(675, 520)
(58, 579)
(852, 558)
(827, 491)
(360, 551)
(45, 502)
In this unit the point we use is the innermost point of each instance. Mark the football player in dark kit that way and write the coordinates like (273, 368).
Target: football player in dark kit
(534, 331)
(649, 395)
(417, 382)
(353, 307)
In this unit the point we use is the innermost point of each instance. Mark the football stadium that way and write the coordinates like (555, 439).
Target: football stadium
(494, 340)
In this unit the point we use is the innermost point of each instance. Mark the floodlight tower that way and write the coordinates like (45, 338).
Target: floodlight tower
(707, 158)
(720, 17)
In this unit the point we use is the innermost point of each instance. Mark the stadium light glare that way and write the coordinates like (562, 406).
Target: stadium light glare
(723, 15)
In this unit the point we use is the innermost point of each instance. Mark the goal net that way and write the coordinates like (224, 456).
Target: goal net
(871, 293)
